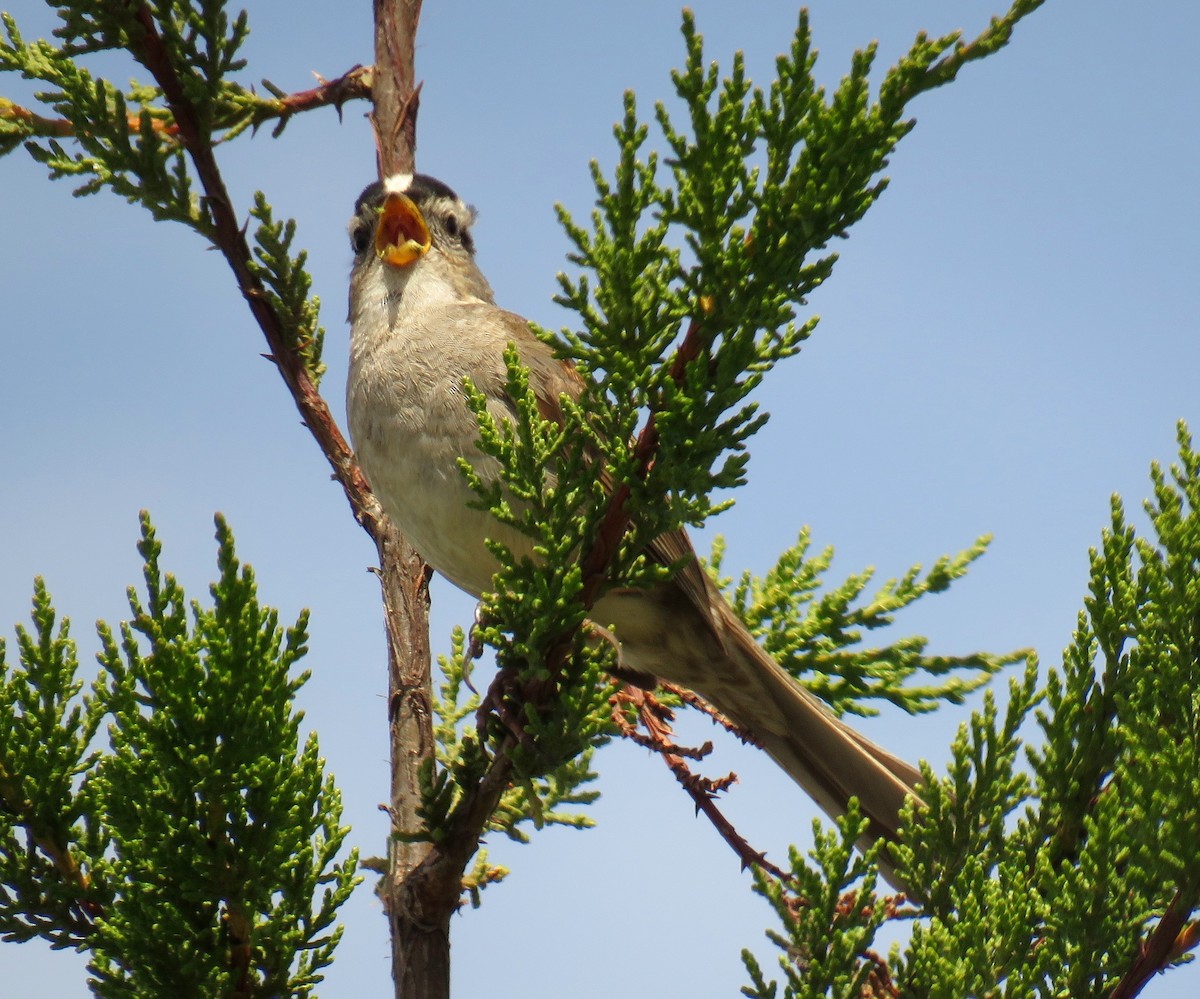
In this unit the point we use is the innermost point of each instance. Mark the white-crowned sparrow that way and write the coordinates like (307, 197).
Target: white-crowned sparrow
(423, 319)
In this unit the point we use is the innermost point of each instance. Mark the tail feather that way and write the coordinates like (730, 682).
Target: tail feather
(692, 637)
(827, 758)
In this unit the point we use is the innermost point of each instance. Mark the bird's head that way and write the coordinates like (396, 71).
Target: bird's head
(412, 244)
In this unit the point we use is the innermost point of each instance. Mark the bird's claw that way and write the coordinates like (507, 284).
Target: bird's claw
(474, 648)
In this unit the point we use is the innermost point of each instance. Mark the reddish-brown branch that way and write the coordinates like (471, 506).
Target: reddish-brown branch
(1159, 949)
(354, 84)
(397, 94)
(879, 977)
(694, 700)
(655, 719)
(419, 906)
(230, 240)
(241, 952)
(672, 748)
(419, 922)
(420, 932)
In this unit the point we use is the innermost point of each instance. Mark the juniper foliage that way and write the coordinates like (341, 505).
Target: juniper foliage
(192, 849)
(1065, 868)
(1056, 853)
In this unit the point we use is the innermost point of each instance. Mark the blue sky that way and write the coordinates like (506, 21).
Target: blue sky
(1008, 339)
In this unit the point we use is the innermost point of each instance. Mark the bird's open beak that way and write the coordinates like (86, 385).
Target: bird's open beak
(401, 235)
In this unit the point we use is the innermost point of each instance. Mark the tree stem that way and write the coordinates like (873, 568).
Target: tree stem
(419, 919)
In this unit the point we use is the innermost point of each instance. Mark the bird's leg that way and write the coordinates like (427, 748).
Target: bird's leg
(474, 648)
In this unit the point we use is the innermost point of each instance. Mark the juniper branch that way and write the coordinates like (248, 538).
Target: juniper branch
(240, 109)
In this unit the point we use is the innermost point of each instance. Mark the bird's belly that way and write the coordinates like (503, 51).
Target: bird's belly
(409, 452)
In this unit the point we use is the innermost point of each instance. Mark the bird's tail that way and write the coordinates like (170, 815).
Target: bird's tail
(827, 758)
(689, 634)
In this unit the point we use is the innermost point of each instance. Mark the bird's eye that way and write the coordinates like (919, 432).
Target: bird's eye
(452, 226)
(360, 238)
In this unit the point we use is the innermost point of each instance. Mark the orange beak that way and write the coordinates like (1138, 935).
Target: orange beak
(401, 235)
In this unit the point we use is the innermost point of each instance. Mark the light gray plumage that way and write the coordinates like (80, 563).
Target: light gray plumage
(422, 319)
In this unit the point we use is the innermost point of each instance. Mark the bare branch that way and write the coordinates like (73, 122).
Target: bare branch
(419, 908)
(655, 717)
(355, 84)
(396, 92)
(230, 240)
